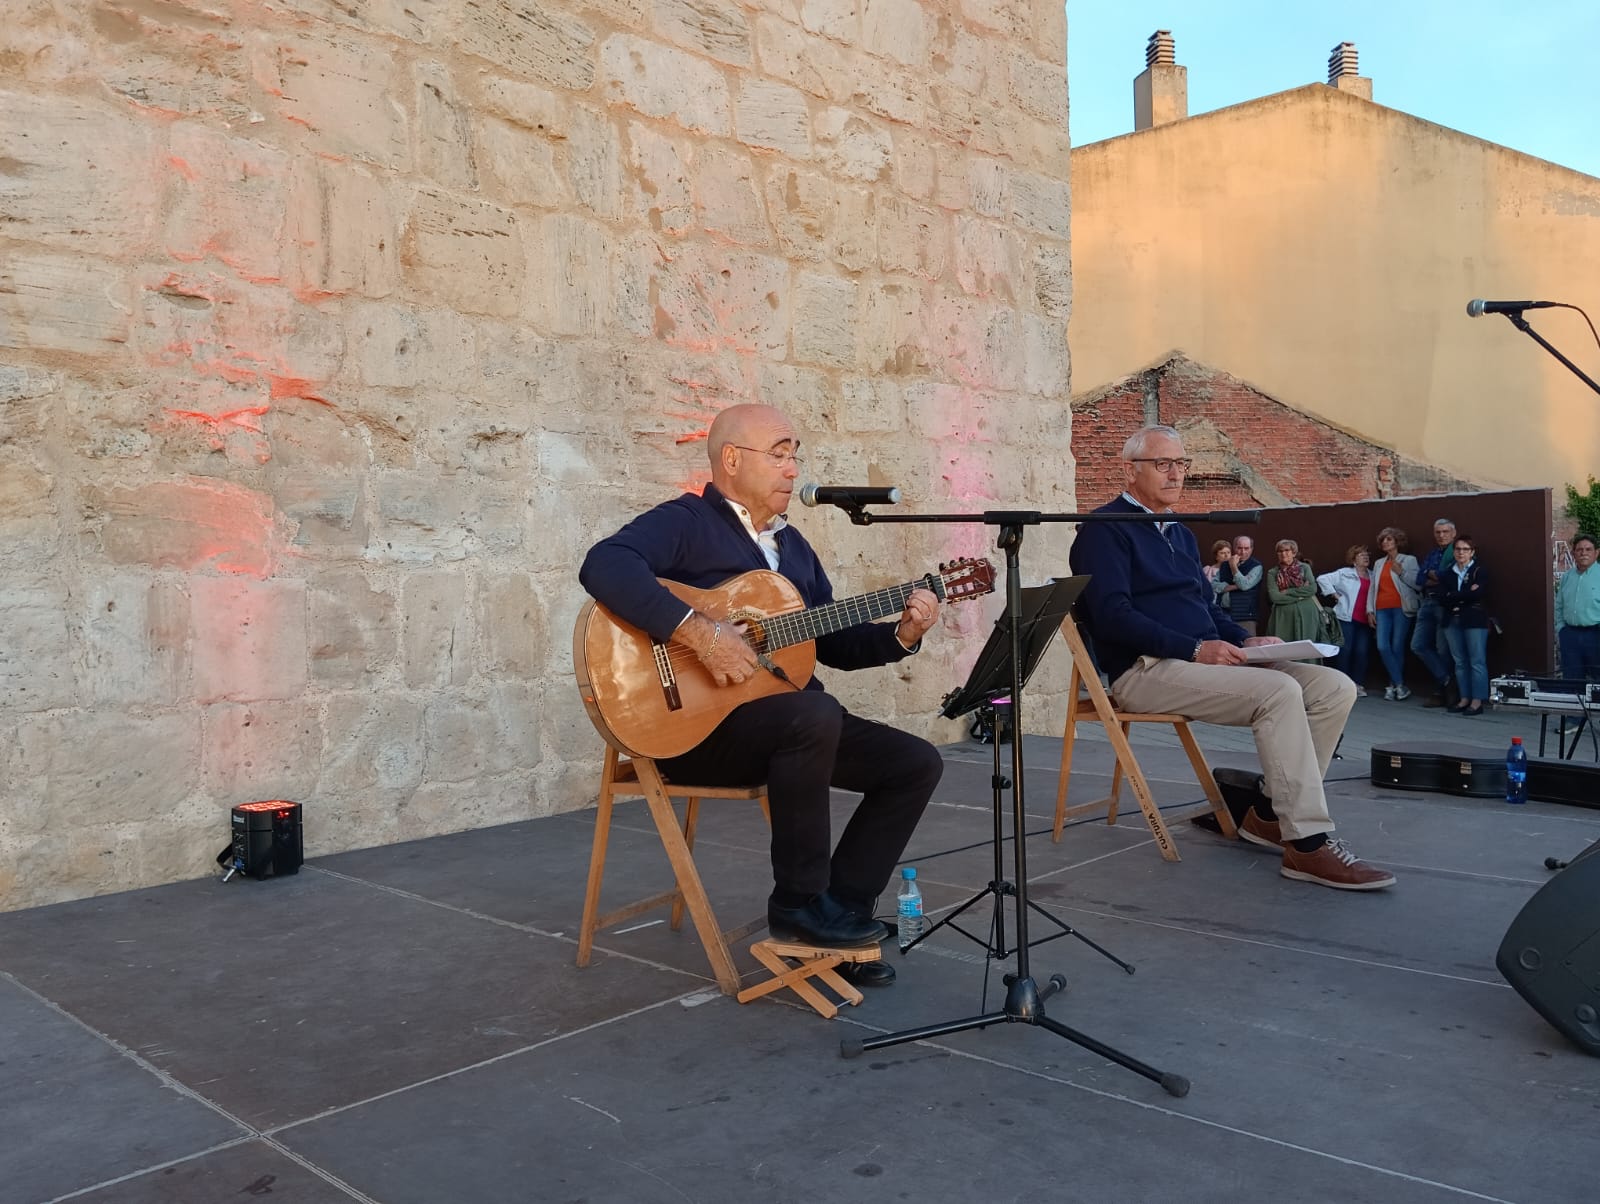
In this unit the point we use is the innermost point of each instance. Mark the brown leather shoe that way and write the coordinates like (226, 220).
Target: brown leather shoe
(1436, 700)
(1264, 832)
(1333, 865)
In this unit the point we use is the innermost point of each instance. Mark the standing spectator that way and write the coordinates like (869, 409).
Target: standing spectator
(1395, 588)
(1292, 591)
(1578, 612)
(1351, 587)
(1466, 625)
(1428, 638)
(1221, 554)
(1241, 580)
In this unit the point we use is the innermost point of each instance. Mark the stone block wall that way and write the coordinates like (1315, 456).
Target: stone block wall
(332, 334)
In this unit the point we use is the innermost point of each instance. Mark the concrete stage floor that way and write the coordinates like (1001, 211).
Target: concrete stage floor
(405, 1024)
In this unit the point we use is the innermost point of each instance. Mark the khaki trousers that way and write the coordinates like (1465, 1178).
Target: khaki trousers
(1297, 713)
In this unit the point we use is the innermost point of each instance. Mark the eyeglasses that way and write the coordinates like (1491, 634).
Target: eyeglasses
(780, 458)
(1165, 463)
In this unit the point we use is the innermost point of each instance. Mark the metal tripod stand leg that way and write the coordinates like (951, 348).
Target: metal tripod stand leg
(999, 887)
(1024, 1005)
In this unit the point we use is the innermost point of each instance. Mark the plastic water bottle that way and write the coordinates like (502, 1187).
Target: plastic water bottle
(1516, 774)
(909, 909)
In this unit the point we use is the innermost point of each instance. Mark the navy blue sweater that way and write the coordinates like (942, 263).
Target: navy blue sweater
(697, 540)
(1146, 594)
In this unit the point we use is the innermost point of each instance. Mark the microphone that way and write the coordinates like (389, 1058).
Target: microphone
(851, 497)
(1477, 306)
(1233, 517)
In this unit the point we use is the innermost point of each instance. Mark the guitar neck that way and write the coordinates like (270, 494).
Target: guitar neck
(800, 626)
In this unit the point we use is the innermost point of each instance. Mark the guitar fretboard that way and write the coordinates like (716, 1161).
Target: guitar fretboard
(781, 631)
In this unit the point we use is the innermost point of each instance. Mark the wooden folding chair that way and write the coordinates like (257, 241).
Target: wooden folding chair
(1098, 707)
(627, 777)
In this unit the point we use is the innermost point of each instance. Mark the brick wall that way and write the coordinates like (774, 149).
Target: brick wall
(331, 334)
(1249, 449)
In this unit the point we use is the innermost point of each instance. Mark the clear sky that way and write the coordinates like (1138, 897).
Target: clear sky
(1520, 74)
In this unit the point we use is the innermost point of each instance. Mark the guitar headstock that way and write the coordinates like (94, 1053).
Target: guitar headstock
(967, 578)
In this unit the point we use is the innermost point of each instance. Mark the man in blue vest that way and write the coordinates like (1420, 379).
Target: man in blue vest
(1167, 648)
(1241, 596)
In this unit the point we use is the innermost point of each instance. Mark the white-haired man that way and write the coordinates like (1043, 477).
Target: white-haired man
(1167, 647)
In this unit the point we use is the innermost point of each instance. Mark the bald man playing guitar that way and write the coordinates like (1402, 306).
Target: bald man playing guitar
(794, 736)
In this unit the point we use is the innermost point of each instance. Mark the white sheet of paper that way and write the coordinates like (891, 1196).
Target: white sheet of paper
(1299, 650)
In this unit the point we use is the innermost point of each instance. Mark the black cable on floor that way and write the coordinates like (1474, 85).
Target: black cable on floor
(1037, 832)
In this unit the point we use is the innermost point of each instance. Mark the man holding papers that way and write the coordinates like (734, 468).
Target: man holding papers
(1166, 647)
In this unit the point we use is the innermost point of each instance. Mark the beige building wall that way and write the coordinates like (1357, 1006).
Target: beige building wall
(332, 334)
(1323, 248)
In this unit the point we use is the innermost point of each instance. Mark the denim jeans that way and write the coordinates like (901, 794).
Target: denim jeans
(1429, 642)
(1394, 625)
(1580, 651)
(1352, 658)
(1469, 646)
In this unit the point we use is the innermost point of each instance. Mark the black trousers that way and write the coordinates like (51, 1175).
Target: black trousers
(799, 745)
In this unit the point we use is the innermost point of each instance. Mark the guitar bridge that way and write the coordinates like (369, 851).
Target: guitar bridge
(668, 679)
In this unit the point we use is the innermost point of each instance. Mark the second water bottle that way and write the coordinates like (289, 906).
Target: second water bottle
(909, 911)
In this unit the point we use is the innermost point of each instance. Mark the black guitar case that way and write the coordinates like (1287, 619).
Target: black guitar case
(1442, 768)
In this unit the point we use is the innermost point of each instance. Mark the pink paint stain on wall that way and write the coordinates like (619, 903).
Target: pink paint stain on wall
(229, 202)
(194, 524)
(228, 342)
(701, 419)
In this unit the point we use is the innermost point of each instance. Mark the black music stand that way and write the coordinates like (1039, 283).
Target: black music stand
(990, 682)
(1024, 1002)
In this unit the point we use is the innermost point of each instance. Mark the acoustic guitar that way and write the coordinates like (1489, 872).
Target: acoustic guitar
(654, 699)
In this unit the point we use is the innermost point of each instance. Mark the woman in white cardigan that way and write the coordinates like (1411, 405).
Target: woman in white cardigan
(1351, 588)
(1395, 598)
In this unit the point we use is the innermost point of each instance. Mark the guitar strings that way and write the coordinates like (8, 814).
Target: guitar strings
(796, 623)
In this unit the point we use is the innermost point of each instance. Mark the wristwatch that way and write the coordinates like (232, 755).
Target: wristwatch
(1198, 644)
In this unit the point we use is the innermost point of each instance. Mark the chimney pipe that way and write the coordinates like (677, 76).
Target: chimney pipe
(1344, 72)
(1161, 92)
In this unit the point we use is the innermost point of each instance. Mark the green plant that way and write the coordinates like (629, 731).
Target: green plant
(1584, 508)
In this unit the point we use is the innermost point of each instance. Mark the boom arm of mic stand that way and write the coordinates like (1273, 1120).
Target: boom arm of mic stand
(1033, 518)
(1516, 319)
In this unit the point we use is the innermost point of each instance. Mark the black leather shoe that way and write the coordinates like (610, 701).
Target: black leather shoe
(825, 922)
(867, 974)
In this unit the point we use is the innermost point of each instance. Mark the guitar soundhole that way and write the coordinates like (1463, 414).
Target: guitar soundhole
(755, 633)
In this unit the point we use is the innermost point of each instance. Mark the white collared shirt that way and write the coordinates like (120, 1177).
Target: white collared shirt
(1161, 524)
(767, 538)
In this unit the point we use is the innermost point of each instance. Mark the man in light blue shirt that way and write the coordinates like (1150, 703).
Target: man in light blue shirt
(1578, 612)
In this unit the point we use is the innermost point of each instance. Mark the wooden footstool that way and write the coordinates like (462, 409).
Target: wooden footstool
(808, 961)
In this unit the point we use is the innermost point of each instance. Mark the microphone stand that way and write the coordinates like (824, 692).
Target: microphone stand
(1516, 319)
(990, 684)
(1024, 1002)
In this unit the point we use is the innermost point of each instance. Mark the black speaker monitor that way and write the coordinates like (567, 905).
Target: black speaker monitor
(1551, 952)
